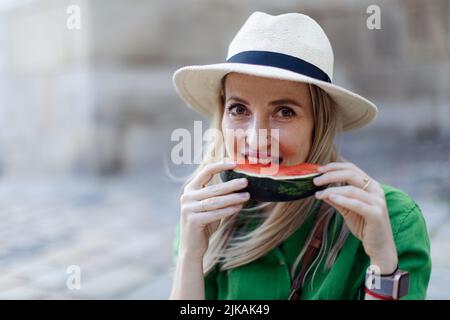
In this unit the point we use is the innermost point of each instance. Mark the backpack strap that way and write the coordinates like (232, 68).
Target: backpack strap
(310, 253)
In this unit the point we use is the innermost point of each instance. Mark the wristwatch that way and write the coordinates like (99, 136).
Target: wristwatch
(386, 286)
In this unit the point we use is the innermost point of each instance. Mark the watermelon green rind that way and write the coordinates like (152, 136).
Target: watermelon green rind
(263, 188)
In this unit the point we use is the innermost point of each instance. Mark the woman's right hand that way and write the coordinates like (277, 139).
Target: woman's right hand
(202, 205)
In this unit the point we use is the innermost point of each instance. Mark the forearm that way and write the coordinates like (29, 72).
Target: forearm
(188, 283)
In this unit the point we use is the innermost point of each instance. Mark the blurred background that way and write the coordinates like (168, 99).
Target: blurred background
(86, 117)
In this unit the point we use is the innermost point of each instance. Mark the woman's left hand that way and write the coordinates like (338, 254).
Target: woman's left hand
(362, 204)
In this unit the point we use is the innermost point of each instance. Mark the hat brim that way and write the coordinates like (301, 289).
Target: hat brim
(199, 87)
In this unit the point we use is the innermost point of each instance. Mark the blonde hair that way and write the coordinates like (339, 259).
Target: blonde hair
(230, 245)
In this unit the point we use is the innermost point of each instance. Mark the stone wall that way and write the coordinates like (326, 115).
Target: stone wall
(100, 99)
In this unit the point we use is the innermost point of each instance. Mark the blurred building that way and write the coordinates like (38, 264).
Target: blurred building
(100, 99)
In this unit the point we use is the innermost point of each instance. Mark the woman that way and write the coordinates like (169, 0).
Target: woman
(373, 242)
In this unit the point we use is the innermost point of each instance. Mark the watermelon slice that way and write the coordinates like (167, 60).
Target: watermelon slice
(276, 183)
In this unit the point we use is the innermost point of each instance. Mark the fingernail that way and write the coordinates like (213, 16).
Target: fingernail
(319, 193)
(242, 181)
(245, 195)
(320, 169)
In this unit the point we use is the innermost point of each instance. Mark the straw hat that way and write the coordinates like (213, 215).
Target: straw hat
(289, 46)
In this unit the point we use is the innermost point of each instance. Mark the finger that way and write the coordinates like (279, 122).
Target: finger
(219, 202)
(358, 228)
(354, 205)
(206, 174)
(218, 189)
(211, 216)
(332, 166)
(340, 209)
(373, 187)
(351, 192)
(346, 175)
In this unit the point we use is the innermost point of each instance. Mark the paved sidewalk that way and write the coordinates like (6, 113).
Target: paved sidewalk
(119, 230)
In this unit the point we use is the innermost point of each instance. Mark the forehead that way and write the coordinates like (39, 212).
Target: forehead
(239, 83)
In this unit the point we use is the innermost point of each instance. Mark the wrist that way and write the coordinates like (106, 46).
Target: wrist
(385, 266)
(386, 285)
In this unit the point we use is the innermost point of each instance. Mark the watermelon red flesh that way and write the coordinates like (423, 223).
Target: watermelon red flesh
(279, 172)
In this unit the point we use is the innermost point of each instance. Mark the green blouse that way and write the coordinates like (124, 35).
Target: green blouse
(269, 276)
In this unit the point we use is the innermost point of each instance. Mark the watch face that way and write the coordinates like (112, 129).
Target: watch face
(403, 285)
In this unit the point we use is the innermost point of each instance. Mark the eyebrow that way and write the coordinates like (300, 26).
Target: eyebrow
(273, 103)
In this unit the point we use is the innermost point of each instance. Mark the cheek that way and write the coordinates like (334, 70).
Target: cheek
(295, 141)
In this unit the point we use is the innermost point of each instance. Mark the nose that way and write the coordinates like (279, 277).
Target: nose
(258, 134)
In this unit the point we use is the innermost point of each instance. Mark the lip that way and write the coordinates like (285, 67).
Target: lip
(254, 157)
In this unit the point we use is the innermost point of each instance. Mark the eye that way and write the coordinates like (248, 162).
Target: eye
(237, 110)
(285, 113)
